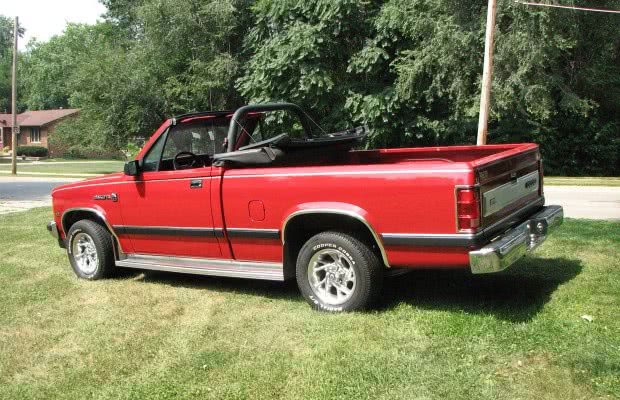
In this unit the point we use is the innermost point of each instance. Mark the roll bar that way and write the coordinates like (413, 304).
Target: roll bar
(233, 128)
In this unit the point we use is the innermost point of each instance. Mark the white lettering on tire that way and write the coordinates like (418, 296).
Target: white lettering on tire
(324, 245)
(333, 246)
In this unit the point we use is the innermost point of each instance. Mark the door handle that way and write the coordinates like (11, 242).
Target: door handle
(195, 184)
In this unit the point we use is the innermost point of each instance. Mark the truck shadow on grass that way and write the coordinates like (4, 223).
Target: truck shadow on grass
(268, 289)
(514, 295)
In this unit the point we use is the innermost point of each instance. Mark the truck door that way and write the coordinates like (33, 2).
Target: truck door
(167, 209)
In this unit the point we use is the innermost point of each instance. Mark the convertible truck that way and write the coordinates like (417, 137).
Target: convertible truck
(227, 194)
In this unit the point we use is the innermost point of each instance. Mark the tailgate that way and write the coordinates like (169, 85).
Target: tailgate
(508, 185)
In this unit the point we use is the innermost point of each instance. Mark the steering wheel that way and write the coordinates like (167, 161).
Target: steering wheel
(185, 160)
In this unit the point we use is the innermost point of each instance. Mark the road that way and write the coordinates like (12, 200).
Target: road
(21, 193)
(595, 202)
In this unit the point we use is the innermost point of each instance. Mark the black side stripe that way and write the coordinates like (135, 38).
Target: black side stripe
(206, 232)
(254, 233)
(392, 239)
(163, 230)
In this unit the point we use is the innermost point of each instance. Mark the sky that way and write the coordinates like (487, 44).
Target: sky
(43, 19)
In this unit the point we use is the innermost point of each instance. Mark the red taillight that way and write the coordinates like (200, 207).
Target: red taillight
(467, 209)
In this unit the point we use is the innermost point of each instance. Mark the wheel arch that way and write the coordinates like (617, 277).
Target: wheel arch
(72, 215)
(316, 220)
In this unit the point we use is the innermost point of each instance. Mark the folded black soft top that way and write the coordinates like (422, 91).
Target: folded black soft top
(284, 149)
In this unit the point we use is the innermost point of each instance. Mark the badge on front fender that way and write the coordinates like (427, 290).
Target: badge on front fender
(112, 196)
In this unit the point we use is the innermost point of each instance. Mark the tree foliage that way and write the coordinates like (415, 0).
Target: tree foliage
(6, 61)
(148, 61)
(409, 69)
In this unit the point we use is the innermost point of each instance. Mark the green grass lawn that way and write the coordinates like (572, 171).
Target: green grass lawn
(436, 335)
(80, 167)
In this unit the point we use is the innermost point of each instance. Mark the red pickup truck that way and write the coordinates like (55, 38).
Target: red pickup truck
(225, 194)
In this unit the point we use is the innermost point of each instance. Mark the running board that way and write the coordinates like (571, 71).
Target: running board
(205, 266)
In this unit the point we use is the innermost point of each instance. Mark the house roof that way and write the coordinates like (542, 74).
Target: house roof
(37, 118)
(7, 119)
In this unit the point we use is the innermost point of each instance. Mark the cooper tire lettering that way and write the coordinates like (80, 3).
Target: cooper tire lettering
(351, 287)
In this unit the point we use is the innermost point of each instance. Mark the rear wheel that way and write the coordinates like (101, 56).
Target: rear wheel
(89, 246)
(337, 272)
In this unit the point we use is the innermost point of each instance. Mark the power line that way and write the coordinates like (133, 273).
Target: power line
(527, 3)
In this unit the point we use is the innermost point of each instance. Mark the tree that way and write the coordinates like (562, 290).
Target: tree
(50, 67)
(301, 52)
(150, 60)
(6, 56)
(410, 69)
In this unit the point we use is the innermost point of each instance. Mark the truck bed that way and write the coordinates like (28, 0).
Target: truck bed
(508, 176)
(472, 156)
(413, 190)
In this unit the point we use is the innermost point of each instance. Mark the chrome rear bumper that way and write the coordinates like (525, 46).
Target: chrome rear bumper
(517, 242)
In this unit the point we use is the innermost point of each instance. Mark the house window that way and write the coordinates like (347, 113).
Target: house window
(35, 135)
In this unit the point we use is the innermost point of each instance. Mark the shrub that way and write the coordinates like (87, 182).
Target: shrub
(83, 137)
(32, 151)
(88, 153)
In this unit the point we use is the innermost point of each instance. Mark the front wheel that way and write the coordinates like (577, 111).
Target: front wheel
(336, 272)
(89, 246)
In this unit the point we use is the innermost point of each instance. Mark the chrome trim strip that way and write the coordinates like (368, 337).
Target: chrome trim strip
(205, 266)
(339, 212)
(253, 233)
(346, 173)
(278, 175)
(124, 182)
(60, 189)
(164, 230)
(117, 243)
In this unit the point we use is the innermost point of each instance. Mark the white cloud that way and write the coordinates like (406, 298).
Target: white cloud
(44, 18)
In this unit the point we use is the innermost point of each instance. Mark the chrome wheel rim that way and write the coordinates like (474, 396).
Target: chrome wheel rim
(331, 276)
(85, 253)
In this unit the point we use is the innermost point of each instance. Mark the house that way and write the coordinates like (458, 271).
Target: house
(35, 126)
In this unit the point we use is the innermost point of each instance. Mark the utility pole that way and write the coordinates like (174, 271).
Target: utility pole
(487, 74)
(14, 102)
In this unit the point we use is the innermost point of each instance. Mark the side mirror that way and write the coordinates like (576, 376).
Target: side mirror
(132, 168)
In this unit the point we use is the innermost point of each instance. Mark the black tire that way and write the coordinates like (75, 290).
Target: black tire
(367, 268)
(102, 240)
